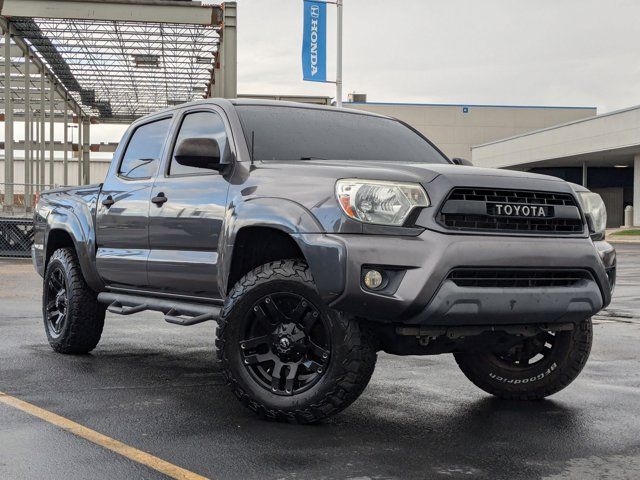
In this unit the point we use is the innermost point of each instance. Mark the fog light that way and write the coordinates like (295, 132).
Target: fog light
(373, 279)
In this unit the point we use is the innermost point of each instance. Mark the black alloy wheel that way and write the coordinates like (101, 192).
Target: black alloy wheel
(56, 302)
(286, 343)
(530, 352)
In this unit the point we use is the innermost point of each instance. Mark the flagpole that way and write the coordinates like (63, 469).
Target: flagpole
(339, 56)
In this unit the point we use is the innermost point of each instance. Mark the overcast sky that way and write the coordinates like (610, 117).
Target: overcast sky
(522, 52)
(504, 52)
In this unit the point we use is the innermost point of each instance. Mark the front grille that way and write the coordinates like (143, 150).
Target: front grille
(474, 209)
(512, 196)
(516, 278)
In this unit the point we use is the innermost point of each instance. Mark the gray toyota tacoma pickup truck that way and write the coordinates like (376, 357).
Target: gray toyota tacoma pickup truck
(316, 237)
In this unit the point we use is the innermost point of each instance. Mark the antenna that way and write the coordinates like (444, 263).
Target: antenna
(252, 144)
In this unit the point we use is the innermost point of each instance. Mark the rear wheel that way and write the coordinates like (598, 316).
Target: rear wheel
(286, 356)
(538, 367)
(73, 319)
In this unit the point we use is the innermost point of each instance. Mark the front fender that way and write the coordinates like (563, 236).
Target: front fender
(324, 254)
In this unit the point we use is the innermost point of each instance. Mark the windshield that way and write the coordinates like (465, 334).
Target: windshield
(294, 133)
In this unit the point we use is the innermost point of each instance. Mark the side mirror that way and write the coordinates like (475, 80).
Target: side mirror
(462, 161)
(199, 153)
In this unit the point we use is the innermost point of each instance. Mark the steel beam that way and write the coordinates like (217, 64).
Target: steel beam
(230, 50)
(27, 135)
(52, 131)
(8, 125)
(80, 150)
(86, 151)
(65, 149)
(148, 11)
(41, 160)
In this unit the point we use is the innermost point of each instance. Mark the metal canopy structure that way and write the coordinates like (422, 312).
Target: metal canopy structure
(102, 61)
(122, 59)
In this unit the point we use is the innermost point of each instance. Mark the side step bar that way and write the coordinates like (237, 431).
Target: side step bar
(177, 312)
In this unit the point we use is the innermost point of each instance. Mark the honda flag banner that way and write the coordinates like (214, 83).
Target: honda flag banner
(314, 42)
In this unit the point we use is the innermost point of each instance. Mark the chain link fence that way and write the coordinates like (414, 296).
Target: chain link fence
(16, 218)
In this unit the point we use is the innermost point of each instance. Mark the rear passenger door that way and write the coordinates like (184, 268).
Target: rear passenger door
(122, 217)
(184, 230)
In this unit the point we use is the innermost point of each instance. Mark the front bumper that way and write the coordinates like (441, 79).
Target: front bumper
(425, 296)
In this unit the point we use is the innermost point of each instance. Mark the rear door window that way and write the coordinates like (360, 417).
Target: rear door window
(142, 156)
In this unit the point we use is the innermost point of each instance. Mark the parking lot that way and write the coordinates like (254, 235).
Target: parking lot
(156, 388)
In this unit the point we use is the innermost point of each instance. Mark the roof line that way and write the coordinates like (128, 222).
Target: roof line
(560, 125)
(471, 105)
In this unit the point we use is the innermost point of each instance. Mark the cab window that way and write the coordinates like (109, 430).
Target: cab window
(142, 156)
(198, 125)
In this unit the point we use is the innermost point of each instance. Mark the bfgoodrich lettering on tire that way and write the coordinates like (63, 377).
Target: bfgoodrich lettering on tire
(285, 354)
(539, 367)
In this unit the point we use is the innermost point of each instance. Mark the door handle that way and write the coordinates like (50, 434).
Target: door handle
(107, 202)
(160, 199)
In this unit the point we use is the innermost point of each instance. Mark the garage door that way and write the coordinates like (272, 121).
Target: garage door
(613, 200)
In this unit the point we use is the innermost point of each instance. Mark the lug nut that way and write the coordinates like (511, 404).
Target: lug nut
(324, 355)
(319, 370)
(246, 362)
(243, 346)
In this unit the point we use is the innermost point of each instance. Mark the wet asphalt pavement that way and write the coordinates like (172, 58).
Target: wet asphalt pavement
(156, 387)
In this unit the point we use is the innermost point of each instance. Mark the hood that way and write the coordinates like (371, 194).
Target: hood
(399, 171)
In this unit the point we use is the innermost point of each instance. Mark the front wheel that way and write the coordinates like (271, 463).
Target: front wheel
(538, 367)
(285, 354)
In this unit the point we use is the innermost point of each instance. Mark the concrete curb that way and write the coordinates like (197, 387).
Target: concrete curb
(622, 239)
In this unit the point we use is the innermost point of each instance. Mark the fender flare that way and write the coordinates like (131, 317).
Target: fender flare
(325, 254)
(84, 240)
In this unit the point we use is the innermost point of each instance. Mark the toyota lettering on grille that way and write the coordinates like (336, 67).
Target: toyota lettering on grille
(517, 210)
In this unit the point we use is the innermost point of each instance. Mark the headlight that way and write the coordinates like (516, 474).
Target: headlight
(376, 201)
(593, 206)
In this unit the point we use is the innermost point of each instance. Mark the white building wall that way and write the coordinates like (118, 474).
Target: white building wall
(99, 170)
(456, 128)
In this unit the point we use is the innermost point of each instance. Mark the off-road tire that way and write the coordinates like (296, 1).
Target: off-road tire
(350, 366)
(538, 380)
(84, 321)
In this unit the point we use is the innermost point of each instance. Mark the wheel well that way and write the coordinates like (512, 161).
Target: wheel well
(255, 246)
(57, 239)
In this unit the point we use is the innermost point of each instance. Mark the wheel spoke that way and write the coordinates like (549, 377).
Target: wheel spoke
(273, 312)
(56, 281)
(298, 312)
(258, 358)
(276, 375)
(312, 366)
(318, 350)
(51, 304)
(291, 377)
(255, 342)
(309, 321)
(51, 315)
